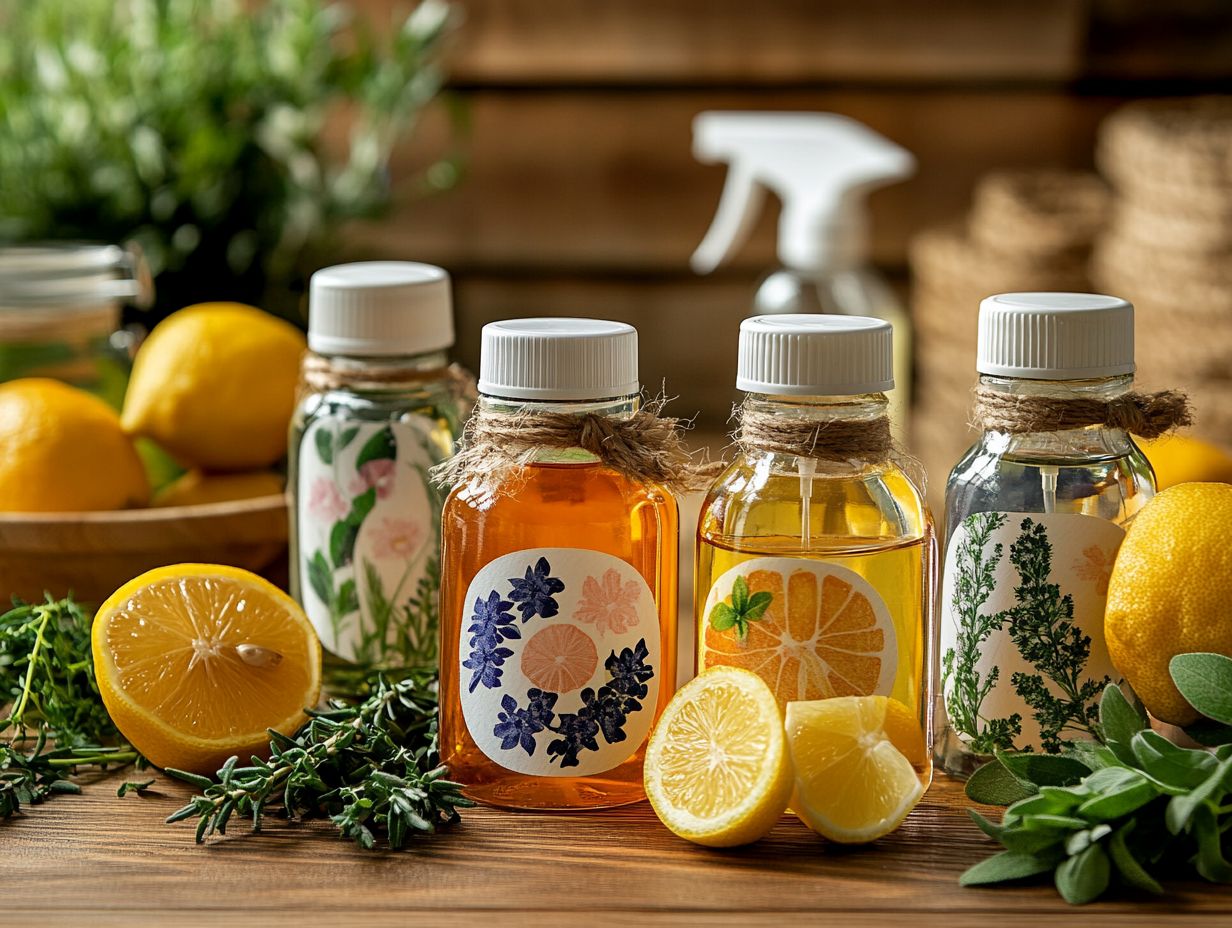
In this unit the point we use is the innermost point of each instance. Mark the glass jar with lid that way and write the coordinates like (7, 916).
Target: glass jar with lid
(60, 312)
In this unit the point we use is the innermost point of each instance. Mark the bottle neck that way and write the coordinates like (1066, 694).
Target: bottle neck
(620, 407)
(817, 411)
(374, 374)
(1088, 440)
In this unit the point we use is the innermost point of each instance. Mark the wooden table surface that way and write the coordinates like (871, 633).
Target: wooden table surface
(95, 859)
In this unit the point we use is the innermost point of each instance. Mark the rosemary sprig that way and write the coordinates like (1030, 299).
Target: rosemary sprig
(372, 768)
(56, 724)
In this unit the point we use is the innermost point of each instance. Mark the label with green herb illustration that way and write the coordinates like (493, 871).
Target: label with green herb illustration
(369, 542)
(809, 628)
(559, 661)
(1023, 659)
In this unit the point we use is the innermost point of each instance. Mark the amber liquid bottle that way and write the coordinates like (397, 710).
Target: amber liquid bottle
(558, 591)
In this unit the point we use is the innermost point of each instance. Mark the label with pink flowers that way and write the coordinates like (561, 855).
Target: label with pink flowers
(559, 661)
(368, 539)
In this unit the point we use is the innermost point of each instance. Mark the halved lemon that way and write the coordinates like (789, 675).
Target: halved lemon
(853, 758)
(717, 770)
(196, 661)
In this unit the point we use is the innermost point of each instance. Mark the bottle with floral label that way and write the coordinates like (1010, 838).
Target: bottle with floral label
(379, 407)
(558, 597)
(815, 548)
(1035, 513)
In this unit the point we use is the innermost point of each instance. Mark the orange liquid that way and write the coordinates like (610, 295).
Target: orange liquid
(557, 505)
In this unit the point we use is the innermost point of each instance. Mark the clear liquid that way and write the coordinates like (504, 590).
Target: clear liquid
(1095, 473)
(873, 523)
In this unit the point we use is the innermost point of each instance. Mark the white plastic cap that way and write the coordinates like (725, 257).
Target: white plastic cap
(379, 308)
(558, 359)
(815, 355)
(1056, 336)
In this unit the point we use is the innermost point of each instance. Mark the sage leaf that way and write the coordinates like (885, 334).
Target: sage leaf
(1210, 860)
(1083, 878)
(1008, 865)
(1120, 719)
(1044, 769)
(1128, 866)
(994, 785)
(1205, 680)
(1181, 809)
(1163, 760)
(1079, 841)
(1120, 801)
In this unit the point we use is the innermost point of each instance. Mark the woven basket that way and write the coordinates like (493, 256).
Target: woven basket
(1168, 247)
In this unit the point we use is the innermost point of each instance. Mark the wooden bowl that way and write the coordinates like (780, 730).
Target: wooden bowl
(92, 554)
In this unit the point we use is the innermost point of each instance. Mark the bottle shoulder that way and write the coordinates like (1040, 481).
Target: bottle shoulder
(542, 490)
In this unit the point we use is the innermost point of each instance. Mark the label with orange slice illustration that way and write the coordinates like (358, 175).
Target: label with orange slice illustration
(810, 629)
(559, 661)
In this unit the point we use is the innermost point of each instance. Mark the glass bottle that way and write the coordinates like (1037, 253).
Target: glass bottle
(60, 313)
(558, 592)
(378, 409)
(842, 542)
(1034, 521)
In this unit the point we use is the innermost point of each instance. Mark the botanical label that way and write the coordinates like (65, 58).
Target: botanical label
(1022, 647)
(809, 628)
(368, 524)
(559, 661)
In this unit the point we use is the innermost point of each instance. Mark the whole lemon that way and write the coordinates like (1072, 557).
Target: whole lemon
(1182, 458)
(1170, 591)
(62, 450)
(214, 384)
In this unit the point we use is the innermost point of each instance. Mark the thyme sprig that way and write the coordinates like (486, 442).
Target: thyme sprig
(371, 768)
(56, 725)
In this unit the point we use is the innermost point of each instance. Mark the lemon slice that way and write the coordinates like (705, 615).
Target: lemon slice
(717, 770)
(853, 757)
(196, 661)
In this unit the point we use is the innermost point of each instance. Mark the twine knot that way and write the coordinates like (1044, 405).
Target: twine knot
(1147, 415)
(644, 447)
(830, 439)
(319, 374)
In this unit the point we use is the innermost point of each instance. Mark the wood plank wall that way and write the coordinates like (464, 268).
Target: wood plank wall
(580, 194)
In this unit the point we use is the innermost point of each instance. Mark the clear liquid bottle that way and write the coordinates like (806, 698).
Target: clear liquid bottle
(1034, 520)
(841, 541)
(558, 596)
(379, 408)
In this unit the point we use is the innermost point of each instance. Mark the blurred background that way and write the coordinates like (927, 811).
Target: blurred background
(541, 151)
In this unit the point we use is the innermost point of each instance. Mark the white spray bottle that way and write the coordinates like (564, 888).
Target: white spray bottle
(821, 166)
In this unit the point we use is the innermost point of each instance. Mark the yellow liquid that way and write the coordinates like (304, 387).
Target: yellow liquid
(873, 525)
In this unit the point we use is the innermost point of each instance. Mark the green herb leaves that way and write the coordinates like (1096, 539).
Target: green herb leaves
(742, 610)
(371, 768)
(1125, 811)
(56, 722)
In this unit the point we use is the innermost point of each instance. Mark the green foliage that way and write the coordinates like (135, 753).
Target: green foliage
(974, 584)
(56, 722)
(1042, 627)
(1140, 808)
(742, 610)
(195, 127)
(371, 768)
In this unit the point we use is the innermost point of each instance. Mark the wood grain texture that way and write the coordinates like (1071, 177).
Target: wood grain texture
(94, 553)
(106, 861)
(726, 41)
(605, 180)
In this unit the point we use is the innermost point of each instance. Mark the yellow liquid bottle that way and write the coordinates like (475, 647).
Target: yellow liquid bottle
(816, 571)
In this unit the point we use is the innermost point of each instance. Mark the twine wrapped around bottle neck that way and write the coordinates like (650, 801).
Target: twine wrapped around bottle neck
(1147, 415)
(645, 447)
(831, 439)
(319, 374)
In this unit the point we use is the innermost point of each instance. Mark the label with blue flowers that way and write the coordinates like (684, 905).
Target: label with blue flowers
(559, 661)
